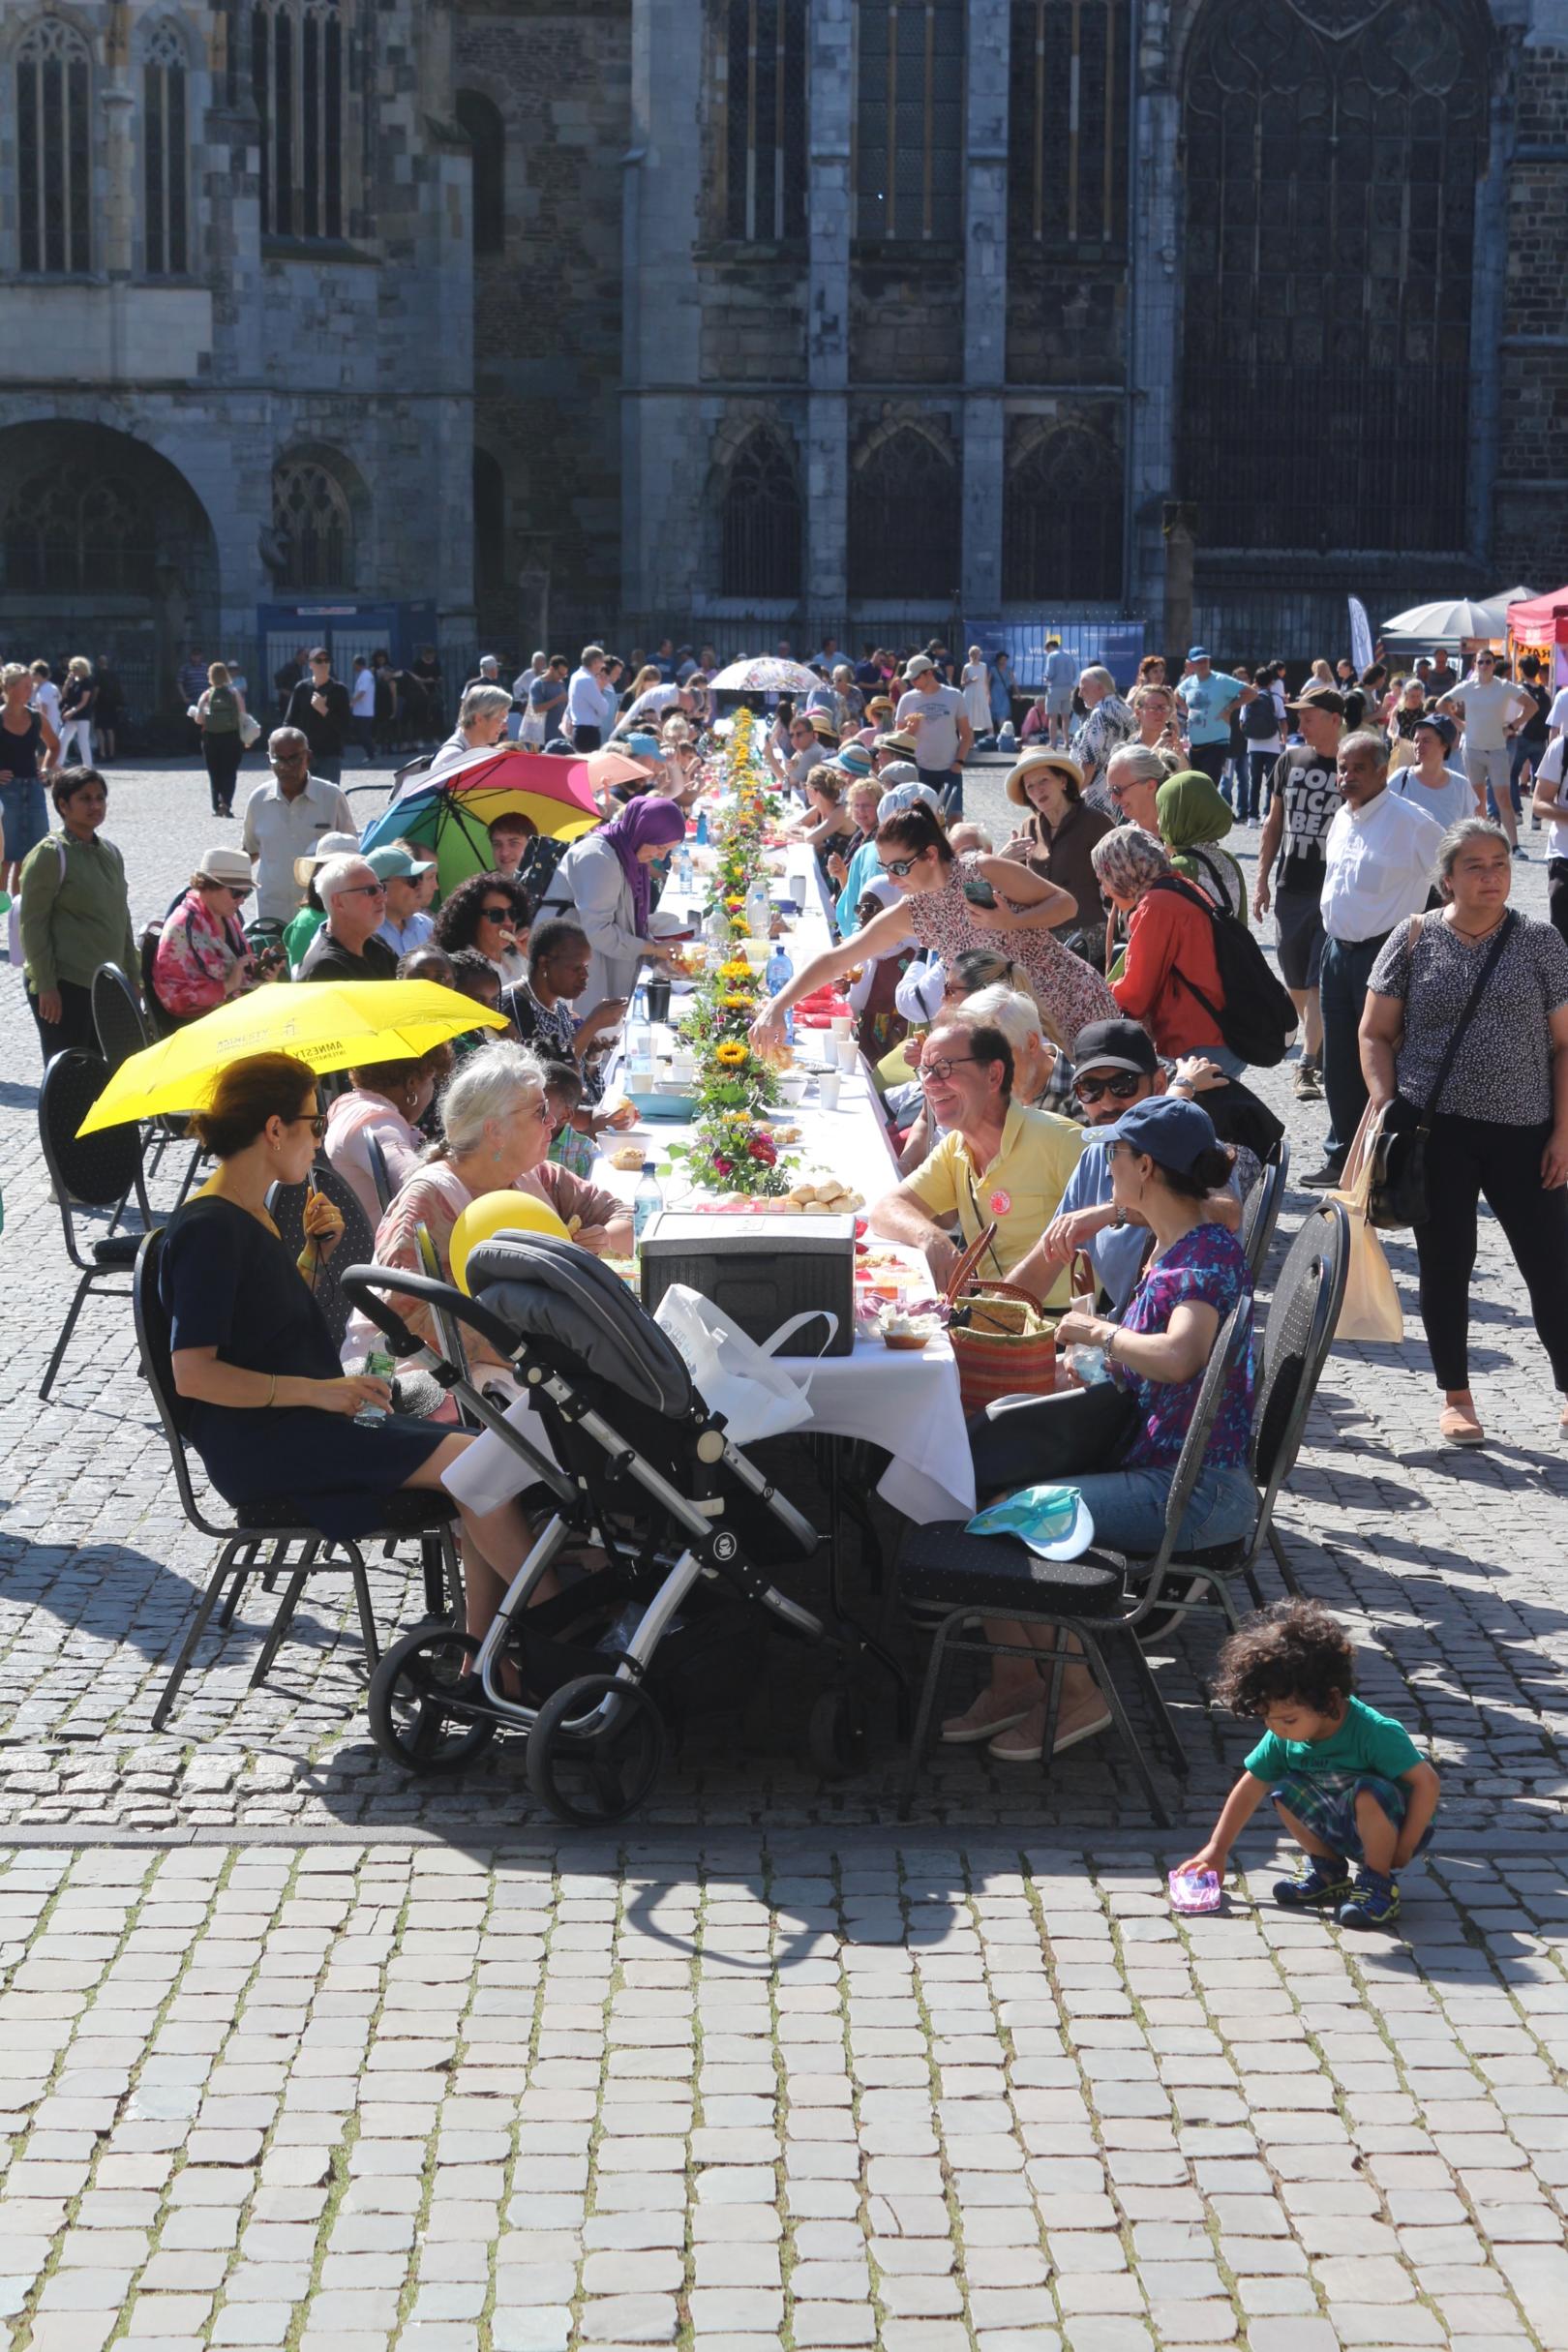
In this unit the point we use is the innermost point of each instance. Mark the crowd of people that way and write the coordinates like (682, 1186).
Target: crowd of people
(1057, 1025)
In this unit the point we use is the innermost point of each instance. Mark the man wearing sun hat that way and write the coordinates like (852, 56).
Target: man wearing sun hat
(406, 925)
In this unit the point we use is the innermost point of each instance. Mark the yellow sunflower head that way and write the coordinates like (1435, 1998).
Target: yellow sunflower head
(731, 1053)
(734, 1002)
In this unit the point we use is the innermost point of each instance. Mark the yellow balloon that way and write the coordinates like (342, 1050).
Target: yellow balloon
(496, 1213)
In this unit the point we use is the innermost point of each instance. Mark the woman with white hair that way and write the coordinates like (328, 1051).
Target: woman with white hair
(495, 1131)
(1134, 776)
(481, 726)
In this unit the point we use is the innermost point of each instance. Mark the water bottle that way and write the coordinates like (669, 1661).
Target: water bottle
(646, 1201)
(384, 1367)
(777, 976)
(683, 874)
(702, 829)
(759, 909)
(1088, 1364)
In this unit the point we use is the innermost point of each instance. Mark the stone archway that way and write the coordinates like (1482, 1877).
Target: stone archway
(103, 548)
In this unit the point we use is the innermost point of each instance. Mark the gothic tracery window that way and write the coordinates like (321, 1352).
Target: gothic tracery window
(53, 149)
(909, 120)
(1062, 520)
(1067, 132)
(162, 154)
(1332, 154)
(314, 523)
(66, 537)
(904, 520)
(298, 78)
(761, 522)
(764, 117)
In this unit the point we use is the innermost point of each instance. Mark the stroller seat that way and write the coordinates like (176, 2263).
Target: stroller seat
(636, 1464)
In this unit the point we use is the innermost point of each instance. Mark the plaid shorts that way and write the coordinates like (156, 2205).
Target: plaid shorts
(1325, 1803)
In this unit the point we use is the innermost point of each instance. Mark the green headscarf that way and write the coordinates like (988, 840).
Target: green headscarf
(1192, 812)
(1190, 808)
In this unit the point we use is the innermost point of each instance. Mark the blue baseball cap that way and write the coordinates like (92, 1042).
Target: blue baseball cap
(1198, 654)
(1172, 1133)
(1053, 1523)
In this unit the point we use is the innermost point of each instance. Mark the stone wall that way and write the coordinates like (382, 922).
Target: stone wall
(1530, 524)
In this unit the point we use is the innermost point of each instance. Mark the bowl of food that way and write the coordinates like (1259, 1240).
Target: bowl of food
(908, 1334)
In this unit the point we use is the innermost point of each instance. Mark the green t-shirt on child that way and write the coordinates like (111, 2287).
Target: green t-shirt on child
(1364, 1743)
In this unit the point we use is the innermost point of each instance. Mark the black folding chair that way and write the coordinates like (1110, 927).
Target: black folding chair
(265, 1539)
(381, 1178)
(1263, 1205)
(122, 1031)
(1296, 1341)
(1092, 1599)
(99, 1172)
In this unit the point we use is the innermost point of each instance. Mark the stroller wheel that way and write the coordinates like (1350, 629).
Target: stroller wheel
(595, 1749)
(835, 1737)
(425, 1713)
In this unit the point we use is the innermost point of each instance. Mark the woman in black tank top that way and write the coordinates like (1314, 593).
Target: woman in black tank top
(25, 739)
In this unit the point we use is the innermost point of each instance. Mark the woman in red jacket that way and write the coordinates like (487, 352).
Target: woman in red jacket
(1170, 966)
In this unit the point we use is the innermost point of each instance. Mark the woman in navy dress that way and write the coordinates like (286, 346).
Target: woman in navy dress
(269, 1408)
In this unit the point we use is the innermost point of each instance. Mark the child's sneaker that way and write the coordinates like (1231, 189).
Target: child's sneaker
(1322, 1885)
(1375, 1903)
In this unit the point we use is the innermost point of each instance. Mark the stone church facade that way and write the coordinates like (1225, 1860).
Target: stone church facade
(735, 318)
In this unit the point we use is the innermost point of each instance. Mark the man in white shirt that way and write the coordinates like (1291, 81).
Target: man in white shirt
(1551, 809)
(585, 700)
(285, 819)
(1377, 867)
(362, 703)
(1491, 707)
(934, 714)
(520, 726)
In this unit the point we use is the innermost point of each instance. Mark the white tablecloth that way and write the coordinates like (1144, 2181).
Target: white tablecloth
(907, 1404)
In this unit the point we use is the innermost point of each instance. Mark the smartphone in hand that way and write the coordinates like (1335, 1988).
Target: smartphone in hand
(978, 891)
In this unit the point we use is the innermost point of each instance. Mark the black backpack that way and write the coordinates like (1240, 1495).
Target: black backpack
(1260, 717)
(1256, 1018)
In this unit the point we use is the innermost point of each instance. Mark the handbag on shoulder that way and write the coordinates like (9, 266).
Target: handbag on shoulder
(1398, 1194)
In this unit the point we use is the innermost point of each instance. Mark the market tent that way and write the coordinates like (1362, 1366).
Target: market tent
(1540, 620)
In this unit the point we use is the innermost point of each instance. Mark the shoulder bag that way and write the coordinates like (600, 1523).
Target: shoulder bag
(1399, 1155)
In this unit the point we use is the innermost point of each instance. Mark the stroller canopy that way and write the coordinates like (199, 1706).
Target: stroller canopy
(551, 1291)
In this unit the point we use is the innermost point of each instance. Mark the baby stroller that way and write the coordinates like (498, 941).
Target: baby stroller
(693, 1530)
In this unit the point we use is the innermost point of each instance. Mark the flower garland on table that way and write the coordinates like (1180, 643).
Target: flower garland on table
(731, 1150)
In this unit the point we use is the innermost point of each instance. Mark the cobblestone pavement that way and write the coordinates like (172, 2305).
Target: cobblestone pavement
(300, 2054)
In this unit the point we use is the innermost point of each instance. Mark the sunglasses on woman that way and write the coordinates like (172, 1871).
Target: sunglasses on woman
(897, 868)
(496, 914)
(1122, 1088)
(315, 1121)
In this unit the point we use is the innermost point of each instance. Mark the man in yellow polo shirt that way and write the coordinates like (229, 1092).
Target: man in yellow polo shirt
(998, 1164)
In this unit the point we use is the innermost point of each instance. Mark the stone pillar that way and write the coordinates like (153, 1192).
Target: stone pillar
(829, 206)
(119, 210)
(985, 301)
(1155, 356)
(663, 437)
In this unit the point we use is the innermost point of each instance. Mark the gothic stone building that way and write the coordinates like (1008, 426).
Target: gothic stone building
(748, 318)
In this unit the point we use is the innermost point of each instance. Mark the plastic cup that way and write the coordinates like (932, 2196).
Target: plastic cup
(829, 1049)
(843, 1025)
(828, 1086)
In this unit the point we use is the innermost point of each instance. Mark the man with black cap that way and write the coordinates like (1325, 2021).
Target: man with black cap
(1115, 1064)
(1302, 797)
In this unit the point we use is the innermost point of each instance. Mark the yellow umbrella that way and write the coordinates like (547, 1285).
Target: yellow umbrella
(325, 1024)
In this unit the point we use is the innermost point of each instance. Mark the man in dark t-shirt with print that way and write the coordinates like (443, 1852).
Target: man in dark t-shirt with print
(1302, 797)
(320, 707)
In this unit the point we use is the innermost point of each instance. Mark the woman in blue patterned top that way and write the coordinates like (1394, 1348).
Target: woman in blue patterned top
(1165, 1161)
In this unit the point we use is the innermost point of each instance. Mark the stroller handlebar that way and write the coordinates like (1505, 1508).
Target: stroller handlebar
(363, 1286)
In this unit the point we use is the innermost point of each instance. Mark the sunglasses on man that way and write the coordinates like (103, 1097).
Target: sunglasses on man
(1121, 1088)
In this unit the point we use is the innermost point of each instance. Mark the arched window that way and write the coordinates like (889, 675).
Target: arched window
(64, 538)
(314, 526)
(909, 120)
(903, 520)
(1332, 159)
(485, 131)
(1061, 520)
(297, 79)
(764, 149)
(489, 524)
(1066, 129)
(760, 544)
(162, 154)
(54, 157)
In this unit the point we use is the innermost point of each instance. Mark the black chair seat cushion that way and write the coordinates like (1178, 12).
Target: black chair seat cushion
(943, 1564)
(116, 1249)
(412, 1511)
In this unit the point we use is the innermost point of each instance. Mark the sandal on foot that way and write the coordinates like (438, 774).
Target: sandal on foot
(1457, 1424)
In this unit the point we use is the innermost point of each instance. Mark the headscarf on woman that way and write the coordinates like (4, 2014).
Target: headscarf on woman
(1128, 859)
(1191, 813)
(647, 820)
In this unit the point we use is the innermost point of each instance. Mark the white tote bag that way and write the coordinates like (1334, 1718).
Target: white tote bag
(736, 1375)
